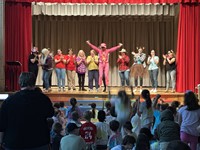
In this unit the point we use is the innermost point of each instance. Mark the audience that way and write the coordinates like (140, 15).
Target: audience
(115, 137)
(57, 129)
(72, 141)
(177, 145)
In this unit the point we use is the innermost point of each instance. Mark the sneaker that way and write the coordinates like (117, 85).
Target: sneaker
(152, 90)
(155, 90)
(90, 90)
(59, 89)
(166, 91)
(74, 89)
(140, 90)
(97, 90)
(84, 89)
(69, 89)
(135, 90)
(64, 90)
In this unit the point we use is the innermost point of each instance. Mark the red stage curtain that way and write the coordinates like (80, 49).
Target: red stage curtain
(18, 38)
(188, 48)
(109, 1)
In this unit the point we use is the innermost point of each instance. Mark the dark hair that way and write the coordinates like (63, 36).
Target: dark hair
(128, 126)
(147, 132)
(176, 145)
(93, 106)
(108, 105)
(164, 106)
(191, 101)
(142, 142)
(57, 128)
(27, 79)
(146, 95)
(57, 112)
(175, 104)
(87, 115)
(124, 97)
(75, 116)
(62, 104)
(50, 123)
(73, 102)
(128, 139)
(56, 105)
(114, 125)
(101, 116)
(173, 109)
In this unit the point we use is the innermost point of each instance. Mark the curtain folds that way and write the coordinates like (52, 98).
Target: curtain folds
(18, 38)
(66, 9)
(188, 47)
(111, 1)
(152, 32)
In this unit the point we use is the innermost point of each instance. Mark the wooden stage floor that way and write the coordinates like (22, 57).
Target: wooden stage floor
(56, 96)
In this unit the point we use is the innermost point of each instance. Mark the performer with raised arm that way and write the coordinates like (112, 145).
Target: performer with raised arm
(170, 63)
(33, 61)
(123, 62)
(103, 60)
(138, 67)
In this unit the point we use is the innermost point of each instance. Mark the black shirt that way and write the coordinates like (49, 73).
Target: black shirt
(30, 64)
(170, 67)
(23, 119)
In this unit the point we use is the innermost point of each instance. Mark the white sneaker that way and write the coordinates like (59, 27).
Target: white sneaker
(135, 90)
(152, 90)
(90, 90)
(140, 90)
(155, 90)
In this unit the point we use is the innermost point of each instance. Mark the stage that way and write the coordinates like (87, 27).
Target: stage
(56, 96)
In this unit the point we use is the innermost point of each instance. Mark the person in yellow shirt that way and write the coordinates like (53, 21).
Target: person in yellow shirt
(93, 70)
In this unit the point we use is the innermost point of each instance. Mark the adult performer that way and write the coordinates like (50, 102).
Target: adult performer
(138, 67)
(103, 60)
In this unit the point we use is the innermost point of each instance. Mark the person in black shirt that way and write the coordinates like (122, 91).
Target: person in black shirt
(170, 63)
(33, 61)
(23, 117)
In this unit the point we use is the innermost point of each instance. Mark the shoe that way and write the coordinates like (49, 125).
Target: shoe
(173, 91)
(90, 90)
(69, 89)
(155, 90)
(59, 89)
(135, 90)
(74, 89)
(78, 89)
(152, 90)
(104, 90)
(97, 90)
(166, 91)
(140, 90)
(64, 90)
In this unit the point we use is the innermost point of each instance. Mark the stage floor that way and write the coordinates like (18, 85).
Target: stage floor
(56, 96)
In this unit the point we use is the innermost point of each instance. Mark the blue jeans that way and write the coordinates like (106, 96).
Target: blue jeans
(124, 75)
(154, 77)
(171, 74)
(45, 78)
(93, 75)
(61, 73)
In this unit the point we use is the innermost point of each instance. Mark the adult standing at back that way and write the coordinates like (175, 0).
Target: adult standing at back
(23, 117)
(60, 61)
(170, 63)
(71, 69)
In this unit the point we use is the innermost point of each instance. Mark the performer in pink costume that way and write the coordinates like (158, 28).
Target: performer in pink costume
(104, 60)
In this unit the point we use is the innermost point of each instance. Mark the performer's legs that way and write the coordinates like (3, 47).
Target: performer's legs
(83, 82)
(96, 78)
(168, 80)
(58, 74)
(69, 72)
(173, 78)
(136, 81)
(79, 81)
(73, 79)
(90, 78)
(141, 82)
(151, 77)
(104, 82)
(106, 72)
(63, 74)
(126, 74)
(122, 77)
(100, 73)
(155, 78)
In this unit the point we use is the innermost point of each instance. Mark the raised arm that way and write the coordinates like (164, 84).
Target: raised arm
(114, 48)
(93, 46)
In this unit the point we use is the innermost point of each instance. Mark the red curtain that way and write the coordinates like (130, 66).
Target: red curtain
(188, 48)
(109, 1)
(18, 37)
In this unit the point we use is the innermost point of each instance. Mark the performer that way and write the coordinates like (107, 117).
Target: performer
(71, 69)
(81, 69)
(93, 70)
(153, 61)
(33, 61)
(138, 67)
(170, 63)
(123, 62)
(60, 61)
(47, 67)
(103, 60)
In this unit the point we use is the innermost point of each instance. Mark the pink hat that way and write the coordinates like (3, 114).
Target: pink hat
(103, 45)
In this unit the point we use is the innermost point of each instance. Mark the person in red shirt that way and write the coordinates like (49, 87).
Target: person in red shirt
(71, 69)
(88, 131)
(60, 61)
(123, 62)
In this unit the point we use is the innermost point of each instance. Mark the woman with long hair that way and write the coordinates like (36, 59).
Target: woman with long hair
(81, 69)
(189, 119)
(146, 110)
(170, 63)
